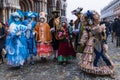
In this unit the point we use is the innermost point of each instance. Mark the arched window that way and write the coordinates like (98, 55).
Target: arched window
(49, 2)
(64, 6)
(26, 5)
(58, 5)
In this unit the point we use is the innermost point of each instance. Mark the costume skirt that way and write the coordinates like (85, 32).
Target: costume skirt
(89, 59)
(17, 52)
(66, 51)
(44, 50)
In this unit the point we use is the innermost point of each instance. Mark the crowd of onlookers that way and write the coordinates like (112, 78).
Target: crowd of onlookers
(113, 29)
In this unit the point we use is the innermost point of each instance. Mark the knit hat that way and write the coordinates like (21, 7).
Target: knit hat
(63, 19)
(43, 15)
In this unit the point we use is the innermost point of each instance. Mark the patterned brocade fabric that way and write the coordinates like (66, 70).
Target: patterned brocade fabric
(88, 57)
(84, 37)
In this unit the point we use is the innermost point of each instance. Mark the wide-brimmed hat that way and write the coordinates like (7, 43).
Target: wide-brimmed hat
(77, 11)
(30, 14)
(55, 12)
(15, 14)
(18, 13)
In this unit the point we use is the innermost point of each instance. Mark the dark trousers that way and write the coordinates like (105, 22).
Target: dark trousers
(1, 57)
(30, 46)
(76, 42)
(97, 57)
(117, 41)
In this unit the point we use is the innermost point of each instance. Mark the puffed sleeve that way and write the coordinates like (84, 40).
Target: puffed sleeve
(49, 37)
(84, 37)
(13, 29)
(36, 30)
(23, 28)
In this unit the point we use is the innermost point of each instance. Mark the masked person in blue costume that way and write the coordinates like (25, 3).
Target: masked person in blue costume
(30, 35)
(16, 46)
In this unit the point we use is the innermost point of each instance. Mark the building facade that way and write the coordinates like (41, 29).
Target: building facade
(59, 5)
(111, 11)
(9, 6)
(33, 5)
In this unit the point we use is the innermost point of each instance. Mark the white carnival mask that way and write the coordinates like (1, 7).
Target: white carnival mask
(17, 18)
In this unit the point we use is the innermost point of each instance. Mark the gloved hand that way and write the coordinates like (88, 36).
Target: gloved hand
(81, 44)
(46, 42)
(19, 33)
(52, 29)
(105, 47)
(75, 32)
(34, 33)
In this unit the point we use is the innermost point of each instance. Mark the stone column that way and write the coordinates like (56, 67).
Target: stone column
(35, 6)
(3, 14)
(9, 12)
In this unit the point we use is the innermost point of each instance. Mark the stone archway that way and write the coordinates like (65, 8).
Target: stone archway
(27, 5)
(49, 8)
(58, 5)
(1, 16)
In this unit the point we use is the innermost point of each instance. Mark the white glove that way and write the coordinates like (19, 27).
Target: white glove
(33, 33)
(77, 31)
(19, 33)
(105, 47)
(52, 29)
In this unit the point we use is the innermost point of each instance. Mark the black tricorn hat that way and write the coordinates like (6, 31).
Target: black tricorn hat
(55, 12)
(77, 11)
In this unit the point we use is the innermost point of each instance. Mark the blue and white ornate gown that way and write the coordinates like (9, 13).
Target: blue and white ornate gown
(16, 45)
(31, 44)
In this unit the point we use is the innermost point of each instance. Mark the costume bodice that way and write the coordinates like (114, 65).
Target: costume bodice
(12, 27)
(41, 29)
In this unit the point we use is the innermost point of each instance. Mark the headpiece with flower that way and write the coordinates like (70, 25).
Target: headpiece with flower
(92, 17)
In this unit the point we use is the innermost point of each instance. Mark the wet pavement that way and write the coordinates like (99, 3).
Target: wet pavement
(52, 71)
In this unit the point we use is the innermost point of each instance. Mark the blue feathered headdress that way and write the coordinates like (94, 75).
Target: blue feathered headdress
(18, 13)
(30, 14)
(89, 14)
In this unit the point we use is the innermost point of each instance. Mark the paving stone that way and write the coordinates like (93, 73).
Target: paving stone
(52, 71)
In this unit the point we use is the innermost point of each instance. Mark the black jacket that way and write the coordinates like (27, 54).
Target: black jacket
(107, 24)
(3, 35)
(116, 27)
